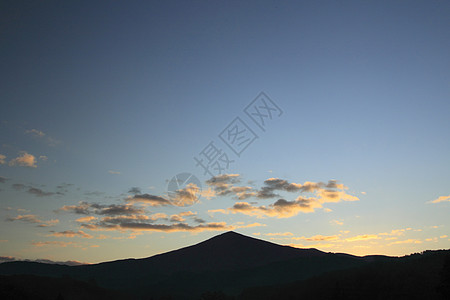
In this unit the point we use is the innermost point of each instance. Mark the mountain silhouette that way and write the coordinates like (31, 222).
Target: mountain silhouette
(227, 263)
(224, 252)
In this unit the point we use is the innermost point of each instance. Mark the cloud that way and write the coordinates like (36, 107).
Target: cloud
(159, 216)
(52, 243)
(277, 184)
(181, 217)
(441, 199)
(18, 186)
(24, 160)
(250, 225)
(317, 238)
(363, 237)
(70, 233)
(38, 192)
(26, 218)
(100, 209)
(4, 259)
(35, 132)
(177, 218)
(146, 223)
(33, 219)
(40, 134)
(114, 172)
(43, 157)
(86, 219)
(332, 191)
(185, 196)
(280, 209)
(408, 241)
(187, 213)
(3, 179)
(279, 234)
(2, 159)
(151, 200)
(337, 222)
(32, 190)
(124, 224)
(327, 195)
(394, 232)
(223, 180)
(121, 209)
(81, 208)
(134, 191)
(223, 185)
(93, 193)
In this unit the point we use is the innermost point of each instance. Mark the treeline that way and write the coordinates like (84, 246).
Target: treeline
(419, 276)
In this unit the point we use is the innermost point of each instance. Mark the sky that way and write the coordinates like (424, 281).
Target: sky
(131, 128)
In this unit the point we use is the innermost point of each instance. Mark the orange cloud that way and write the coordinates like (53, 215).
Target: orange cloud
(363, 237)
(186, 196)
(158, 216)
(337, 222)
(52, 243)
(409, 241)
(24, 160)
(86, 219)
(280, 234)
(441, 199)
(318, 237)
(70, 233)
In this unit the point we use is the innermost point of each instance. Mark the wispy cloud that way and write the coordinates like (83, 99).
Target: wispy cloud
(42, 135)
(35, 132)
(441, 199)
(2, 159)
(363, 237)
(86, 219)
(33, 219)
(317, 238)
(114, 172)
(71, 233)
(33, 190)
(279, 234)
(408, 241)
(148, 199)
(337, 222)
(52, 243)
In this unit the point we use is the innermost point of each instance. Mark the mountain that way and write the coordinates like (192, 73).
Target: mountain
(225, 252)
(229, 262)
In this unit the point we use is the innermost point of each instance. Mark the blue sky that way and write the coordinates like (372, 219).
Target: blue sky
(110, 96)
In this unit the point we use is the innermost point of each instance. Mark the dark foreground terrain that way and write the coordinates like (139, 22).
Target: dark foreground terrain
(234, 266)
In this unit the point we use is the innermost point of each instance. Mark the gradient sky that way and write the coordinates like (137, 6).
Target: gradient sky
(98, 98)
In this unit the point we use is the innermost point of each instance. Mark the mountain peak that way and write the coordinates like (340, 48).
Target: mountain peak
(230, 251)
